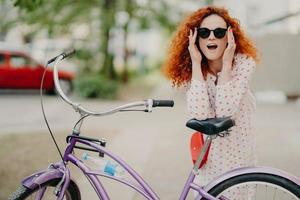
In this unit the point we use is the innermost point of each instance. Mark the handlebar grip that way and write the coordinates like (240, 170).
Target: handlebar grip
(163, 103)
(64, 54)
(69, 53)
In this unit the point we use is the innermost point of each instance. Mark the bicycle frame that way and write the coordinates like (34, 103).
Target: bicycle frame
(59, 170)
(140, 186)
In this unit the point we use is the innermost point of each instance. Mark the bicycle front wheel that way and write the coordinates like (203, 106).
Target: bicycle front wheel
(258, 186)
(46, 190)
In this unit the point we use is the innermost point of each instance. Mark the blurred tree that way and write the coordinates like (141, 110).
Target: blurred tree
(146, 14)
(108, 12)
(10, 17)
(57, 16)
(129, 6)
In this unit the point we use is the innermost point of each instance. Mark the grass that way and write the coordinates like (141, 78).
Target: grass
(27, 153)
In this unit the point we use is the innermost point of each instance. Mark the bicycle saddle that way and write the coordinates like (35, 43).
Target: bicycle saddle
(211, 126)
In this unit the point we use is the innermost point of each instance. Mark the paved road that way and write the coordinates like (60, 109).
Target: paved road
(156, 144)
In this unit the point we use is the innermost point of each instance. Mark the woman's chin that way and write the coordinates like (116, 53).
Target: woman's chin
(212, 56)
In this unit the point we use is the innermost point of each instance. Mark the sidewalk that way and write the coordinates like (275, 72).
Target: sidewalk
(156, 145)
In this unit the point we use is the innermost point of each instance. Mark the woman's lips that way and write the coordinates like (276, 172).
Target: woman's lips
(212, 46)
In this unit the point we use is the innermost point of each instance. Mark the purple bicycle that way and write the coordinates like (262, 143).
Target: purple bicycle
(55, 182)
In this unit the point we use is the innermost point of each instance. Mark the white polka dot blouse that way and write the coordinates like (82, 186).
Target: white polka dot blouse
(234, 98)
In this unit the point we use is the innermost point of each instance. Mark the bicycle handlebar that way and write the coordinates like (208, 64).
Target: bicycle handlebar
(149, 103)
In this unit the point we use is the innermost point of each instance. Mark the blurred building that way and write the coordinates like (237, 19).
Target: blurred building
(275, 27)
(262, 17)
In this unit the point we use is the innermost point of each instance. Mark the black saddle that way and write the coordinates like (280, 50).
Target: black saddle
(211, 126)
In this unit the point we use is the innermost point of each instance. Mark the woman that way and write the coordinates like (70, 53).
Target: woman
(214, 60)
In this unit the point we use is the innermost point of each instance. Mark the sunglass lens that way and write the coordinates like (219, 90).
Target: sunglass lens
(203, 32)
(220, 32)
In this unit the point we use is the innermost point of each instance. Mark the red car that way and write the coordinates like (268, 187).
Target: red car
(20, 71)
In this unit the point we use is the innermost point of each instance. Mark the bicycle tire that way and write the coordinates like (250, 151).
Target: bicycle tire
(23, 193)
(285, 184)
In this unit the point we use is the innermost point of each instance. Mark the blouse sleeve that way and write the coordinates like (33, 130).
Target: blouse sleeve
(198, 100)
(229, 95)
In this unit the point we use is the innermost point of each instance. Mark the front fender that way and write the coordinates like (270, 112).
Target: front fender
(246, 170)
(41, 177)
(54, 171)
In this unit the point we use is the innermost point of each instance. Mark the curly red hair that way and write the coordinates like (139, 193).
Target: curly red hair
(178, 65)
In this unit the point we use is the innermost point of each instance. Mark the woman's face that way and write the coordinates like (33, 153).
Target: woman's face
(213, 47)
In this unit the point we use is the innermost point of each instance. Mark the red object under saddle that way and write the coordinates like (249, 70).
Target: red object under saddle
(196, 144)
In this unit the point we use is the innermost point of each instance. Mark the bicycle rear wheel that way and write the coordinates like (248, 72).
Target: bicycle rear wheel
(23, 193)
(258, 186)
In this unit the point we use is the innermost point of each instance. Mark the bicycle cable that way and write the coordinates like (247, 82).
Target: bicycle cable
(44, 115)
(84, 116)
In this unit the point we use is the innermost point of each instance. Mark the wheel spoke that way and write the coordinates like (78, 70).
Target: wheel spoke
(255, 191)
(274, 196)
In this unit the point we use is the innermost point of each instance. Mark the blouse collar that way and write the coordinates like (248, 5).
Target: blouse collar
(212, 77)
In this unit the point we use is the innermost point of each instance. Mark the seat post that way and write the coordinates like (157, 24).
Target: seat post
(202, 152)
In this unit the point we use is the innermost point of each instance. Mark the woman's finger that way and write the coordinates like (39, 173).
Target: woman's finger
(195, 35)
(228, 38)
(234, 47)
(228, 34)
(190, 37)
(232, 36)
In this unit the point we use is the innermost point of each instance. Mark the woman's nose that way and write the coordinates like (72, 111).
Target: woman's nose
(211, 36)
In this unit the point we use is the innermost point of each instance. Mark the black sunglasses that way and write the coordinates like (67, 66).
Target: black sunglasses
(205, 32)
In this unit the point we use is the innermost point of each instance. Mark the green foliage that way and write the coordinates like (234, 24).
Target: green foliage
(85, 60)
(93, 86)
(30, 5)
(84, 54)
(61, 16)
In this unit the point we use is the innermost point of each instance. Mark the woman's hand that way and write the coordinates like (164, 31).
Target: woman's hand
(194, 52)
(228, 55)
(195, 56)
(229, 51)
